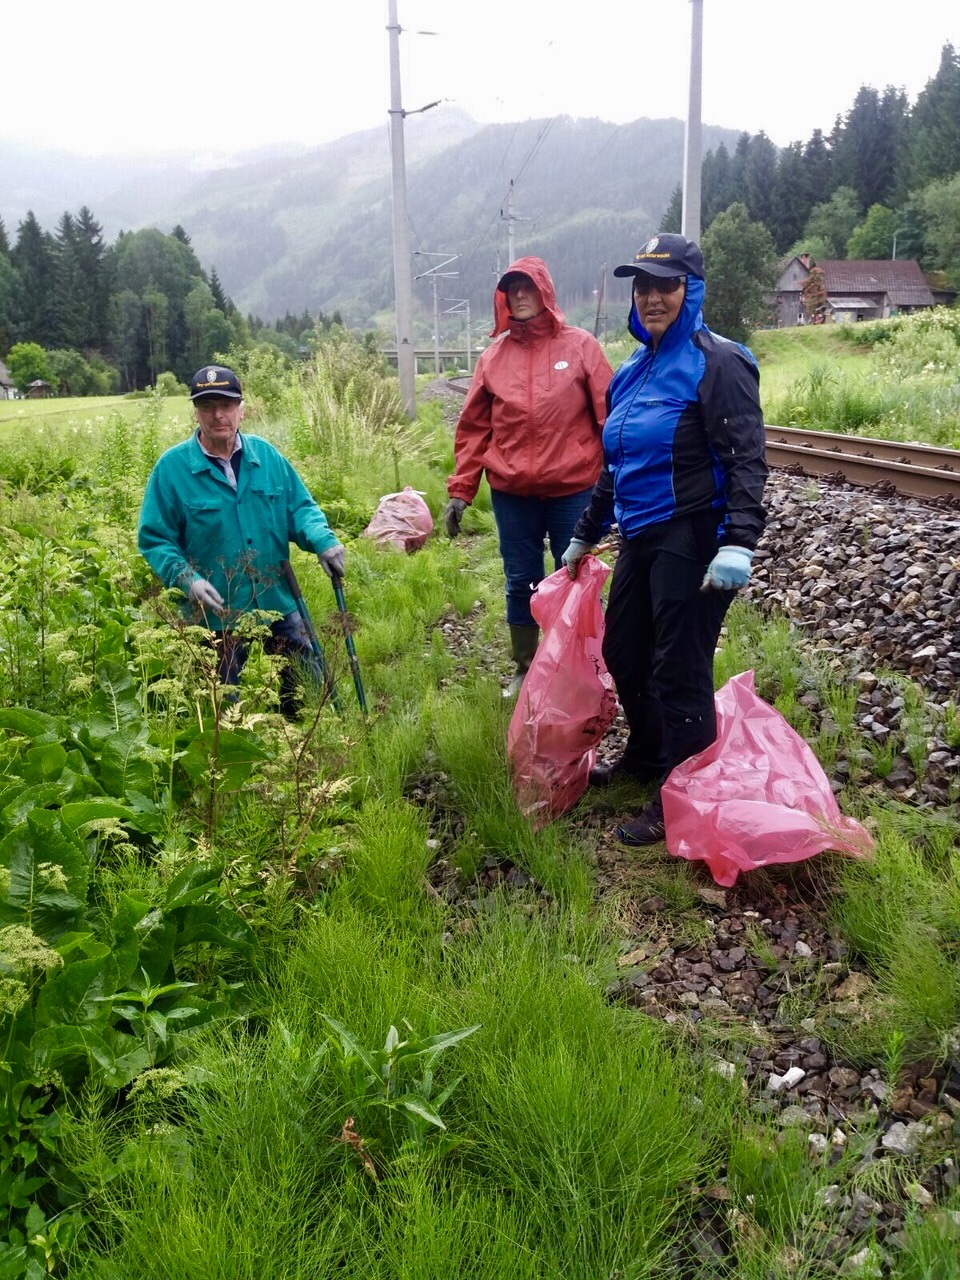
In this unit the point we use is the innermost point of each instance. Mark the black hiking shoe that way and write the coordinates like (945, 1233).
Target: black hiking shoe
(647, 827)
(605, 775)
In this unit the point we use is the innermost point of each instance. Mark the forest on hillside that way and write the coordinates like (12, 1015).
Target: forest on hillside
(583, 193)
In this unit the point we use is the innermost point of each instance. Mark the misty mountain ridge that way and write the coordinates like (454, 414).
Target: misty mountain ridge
(290, 229)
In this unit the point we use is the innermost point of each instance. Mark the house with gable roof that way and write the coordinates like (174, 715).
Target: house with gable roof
(865, 289)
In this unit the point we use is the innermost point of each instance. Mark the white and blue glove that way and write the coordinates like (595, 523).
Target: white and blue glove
(728, 570)
(574, 554)
(206, 595)
(331, 560)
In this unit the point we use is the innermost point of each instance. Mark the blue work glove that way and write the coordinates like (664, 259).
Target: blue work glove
(206, 595)
(728, 570)
(574, 554)
(331, 560)
(452, 515)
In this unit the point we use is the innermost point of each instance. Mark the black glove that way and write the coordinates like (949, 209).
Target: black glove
(452, 515)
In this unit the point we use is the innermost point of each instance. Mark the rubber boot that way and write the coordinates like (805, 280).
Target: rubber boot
(523, 645)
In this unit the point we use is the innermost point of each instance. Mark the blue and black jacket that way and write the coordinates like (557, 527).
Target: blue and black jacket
(684, 434)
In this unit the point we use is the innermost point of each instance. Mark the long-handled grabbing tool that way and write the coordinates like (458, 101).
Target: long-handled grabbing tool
(348, 638)
(311, 631)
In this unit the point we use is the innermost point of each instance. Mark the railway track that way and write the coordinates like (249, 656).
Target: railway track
(915, 470)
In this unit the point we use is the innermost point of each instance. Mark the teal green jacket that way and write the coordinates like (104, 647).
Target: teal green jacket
(194, 524)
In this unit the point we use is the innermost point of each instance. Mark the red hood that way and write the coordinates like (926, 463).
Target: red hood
(536, 269)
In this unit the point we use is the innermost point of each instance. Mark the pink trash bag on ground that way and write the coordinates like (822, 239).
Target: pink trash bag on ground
(567, 701)
(755, 797)
(402, 520)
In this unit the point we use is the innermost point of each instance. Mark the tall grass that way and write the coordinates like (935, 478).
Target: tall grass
(906, 388)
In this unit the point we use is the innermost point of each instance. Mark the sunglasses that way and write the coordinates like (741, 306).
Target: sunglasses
(642, 285)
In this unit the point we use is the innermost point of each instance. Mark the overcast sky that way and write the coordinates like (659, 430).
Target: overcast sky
(213, 77)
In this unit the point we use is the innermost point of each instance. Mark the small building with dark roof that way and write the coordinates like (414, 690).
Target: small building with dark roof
(864, 289)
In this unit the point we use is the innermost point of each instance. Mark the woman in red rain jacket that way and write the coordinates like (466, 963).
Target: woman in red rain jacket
(532, 421)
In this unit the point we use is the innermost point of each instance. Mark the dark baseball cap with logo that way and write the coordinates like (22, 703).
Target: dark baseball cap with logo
(665, 255)
(215, 380)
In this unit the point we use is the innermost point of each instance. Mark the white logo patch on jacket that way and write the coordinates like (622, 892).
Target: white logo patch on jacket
(562, 364)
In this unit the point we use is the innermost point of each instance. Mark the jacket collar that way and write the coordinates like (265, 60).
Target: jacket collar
(687, 322)
(200, 461)
(541, 326)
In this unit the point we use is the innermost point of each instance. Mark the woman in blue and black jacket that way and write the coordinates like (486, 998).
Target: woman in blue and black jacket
(683, 479)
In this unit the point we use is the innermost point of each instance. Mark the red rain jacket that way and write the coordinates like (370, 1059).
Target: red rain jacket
(534, 413)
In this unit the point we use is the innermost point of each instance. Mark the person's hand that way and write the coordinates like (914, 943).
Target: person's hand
(728, 570)
(331, 560)
(574, 554)
(452, 515)
(206, 595)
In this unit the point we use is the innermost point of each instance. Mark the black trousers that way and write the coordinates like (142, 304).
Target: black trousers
(660, 635)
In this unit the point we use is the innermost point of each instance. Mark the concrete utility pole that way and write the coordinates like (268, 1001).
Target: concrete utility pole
(692, 135)
(403, 288)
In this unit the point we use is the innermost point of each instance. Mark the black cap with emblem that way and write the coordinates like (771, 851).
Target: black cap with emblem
(665, 255)
(215, 380)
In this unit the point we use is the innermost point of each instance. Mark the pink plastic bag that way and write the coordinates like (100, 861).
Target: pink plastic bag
(756, 796)
(566, 702)
(402, 520)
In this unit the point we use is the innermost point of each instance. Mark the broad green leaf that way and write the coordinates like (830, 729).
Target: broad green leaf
(410, 1102)
(35, 725)
(190, 883)
(38, 797)
(158, 937)
(77, 814)
(234, 751)
(55, 1045)
(123, 763)
(351, 1049)
(85, 944)
(44, 763)
(447, 1038)
(48, 874)
(220, 925)
(72, 995)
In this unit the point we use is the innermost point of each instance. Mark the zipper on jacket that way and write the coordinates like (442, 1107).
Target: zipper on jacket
(623, 418)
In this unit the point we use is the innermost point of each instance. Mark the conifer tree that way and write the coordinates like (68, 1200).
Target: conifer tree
(933, 133)
(34, 257)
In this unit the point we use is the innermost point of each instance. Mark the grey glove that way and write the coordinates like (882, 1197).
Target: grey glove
(332, 560)
(452, 515)
(206, 595)
(574, 554)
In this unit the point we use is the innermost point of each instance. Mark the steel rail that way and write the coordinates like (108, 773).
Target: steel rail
(915, 470)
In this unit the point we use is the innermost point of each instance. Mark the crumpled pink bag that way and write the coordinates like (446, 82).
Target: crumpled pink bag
(755, 797)
(402, 520)
(567, 701)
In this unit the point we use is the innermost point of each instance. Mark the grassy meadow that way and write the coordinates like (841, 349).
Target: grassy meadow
(245, 1036)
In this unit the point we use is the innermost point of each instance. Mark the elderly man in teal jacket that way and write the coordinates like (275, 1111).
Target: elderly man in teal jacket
(219, 513)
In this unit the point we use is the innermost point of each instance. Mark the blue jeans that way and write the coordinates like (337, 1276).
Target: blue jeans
(288, 636)
(522, 524)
